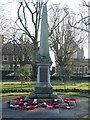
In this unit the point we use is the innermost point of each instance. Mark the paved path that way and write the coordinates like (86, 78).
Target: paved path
(78, 112)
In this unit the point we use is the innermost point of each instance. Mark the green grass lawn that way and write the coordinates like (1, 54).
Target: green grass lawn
(74, 94)
(17, 85)
(56, 84)
(86, 117)
(14, 94)
(83, 85)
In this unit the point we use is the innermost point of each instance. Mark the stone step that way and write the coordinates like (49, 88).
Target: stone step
(44, 100)
(43, 96)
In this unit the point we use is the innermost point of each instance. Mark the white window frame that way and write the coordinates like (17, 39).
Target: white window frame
(23, 57)
(13, 57)
(4, 57)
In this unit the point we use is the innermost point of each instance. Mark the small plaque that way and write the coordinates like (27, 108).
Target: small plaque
(43, 90)
(43, 74)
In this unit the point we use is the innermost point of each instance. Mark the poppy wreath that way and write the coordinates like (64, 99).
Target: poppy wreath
(19, 103)
(67, 100)
(65, 107)
(53, 103)
(32, 107)
(50, 106)
(47, 105)
(44, 104)
(32, 104)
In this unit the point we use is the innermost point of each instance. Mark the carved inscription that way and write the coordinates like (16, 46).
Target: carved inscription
(43, 74)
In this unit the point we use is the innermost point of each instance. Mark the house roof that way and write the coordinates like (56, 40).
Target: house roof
(16, 49)
(10, 49)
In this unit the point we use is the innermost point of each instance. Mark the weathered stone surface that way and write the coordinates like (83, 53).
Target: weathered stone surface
(43, 96)
(12, 101)
(43, 87)
(63, 104)
(43, 84)
(61, 100)
(43, 74)
(30, 96)
(72, 103)
(40, 90)
(54, 95)
(27, 97)
(44, 45)
(44, 100)
(43, 59)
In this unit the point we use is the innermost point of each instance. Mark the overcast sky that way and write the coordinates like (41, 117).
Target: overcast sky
(12, 6)
(11, 9)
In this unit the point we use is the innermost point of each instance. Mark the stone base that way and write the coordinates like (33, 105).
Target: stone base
(41, 97)
(43, 92)
(43, 88)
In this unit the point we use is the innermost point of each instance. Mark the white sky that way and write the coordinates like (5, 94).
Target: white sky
(72, 4)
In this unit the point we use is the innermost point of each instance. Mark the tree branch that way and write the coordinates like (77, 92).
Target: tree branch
(30, 12)
(27, 32)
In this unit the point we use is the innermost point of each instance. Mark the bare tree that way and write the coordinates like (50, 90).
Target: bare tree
(83, 17)
(64, 40)
(34, 13)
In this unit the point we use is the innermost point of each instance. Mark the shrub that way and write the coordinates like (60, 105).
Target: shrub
(23, 74)
(64, 73)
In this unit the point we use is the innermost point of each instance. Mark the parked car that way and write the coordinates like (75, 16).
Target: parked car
(11, 74)
(86, 76)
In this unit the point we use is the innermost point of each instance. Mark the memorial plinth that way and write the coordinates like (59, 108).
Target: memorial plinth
(43, 85)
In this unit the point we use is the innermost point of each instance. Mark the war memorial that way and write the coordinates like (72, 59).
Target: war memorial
(43, 89)
(43, 102)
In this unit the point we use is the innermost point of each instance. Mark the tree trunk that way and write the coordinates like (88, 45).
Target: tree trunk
(34, 67)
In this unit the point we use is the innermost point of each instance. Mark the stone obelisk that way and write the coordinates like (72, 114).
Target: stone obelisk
(44, 46)
(43, 85)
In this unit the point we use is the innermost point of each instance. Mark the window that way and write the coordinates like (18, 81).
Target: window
(23, 57)
(76, 69)
(86, 70)
(5, 58)
(13, 57)
(81, 69)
